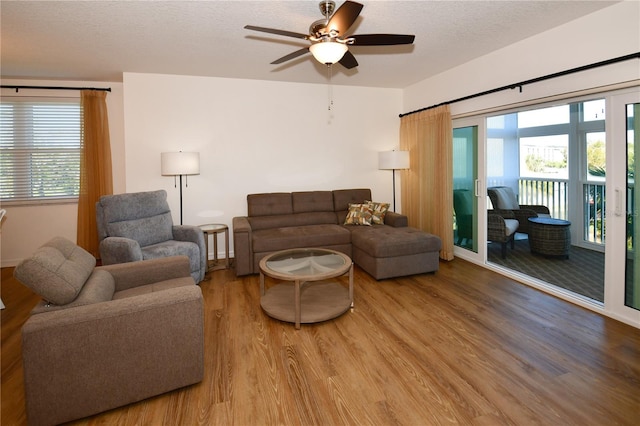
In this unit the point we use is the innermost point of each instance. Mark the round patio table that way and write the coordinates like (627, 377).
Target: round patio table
(549, 236)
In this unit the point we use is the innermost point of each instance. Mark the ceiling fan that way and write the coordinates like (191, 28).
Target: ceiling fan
(328, 36)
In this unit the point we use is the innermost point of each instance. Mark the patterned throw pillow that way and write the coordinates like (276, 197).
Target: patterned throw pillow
(359, 214)
(378, 211)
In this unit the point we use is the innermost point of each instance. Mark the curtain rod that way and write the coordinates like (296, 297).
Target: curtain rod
(107, 89)
(533, 80)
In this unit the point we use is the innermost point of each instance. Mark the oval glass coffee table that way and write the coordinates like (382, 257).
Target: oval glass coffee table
(308, 295)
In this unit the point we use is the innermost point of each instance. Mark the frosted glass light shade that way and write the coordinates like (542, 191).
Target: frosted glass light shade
(393, 160)
(328, 52)
(180, 163)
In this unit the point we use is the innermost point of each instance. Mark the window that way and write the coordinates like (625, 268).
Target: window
(543, 152)
(39, 148)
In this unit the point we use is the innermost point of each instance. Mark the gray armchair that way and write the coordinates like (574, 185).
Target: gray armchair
(138, 226)
(106, 336)
(504, 199)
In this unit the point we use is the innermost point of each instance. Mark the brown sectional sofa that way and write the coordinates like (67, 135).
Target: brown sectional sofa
(279, 221)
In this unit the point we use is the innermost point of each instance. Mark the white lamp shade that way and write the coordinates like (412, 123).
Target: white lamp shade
(393, 160)
(328, 52)
(180, 163)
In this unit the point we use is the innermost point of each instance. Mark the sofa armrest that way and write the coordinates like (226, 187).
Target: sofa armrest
(396, 220)
(119, 250)
(85, 360)
(136, 274)
(242, 248)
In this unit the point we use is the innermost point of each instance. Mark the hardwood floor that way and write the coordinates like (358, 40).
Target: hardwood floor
(462, 346)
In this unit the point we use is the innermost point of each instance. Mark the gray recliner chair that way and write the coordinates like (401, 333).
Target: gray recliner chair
(106, 336)
(138, 226)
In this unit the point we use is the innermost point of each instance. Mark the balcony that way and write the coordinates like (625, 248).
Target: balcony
(583, 272)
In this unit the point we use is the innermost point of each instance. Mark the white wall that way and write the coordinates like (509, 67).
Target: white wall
(27, 227)
(258, 136)
(605, 34)
(255, 136)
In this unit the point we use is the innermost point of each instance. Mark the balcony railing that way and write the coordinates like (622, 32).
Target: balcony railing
(554, 194)
(546, 192)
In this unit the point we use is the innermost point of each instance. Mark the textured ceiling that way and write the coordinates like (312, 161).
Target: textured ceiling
(99, 40)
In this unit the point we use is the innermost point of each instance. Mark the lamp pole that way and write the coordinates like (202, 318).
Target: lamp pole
(180, 199)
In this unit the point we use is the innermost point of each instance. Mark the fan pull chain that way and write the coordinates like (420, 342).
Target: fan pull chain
(330, 87)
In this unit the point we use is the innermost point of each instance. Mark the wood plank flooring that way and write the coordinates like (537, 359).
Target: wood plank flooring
(461, 346)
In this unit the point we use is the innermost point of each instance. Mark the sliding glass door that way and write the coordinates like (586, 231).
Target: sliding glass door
(576, 158)
(622, 289)
(468, 200)
(465, 177)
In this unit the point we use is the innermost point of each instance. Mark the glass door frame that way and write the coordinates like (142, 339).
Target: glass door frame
(480, 256)
(615, 252)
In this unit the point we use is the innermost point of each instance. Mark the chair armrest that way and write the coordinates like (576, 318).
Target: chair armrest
(242, 249)
(505, 214)
(136, 274)
(119, 250)
(192, 234)
(396, 220)
(539, 209)
(85, 360)
(495, 227)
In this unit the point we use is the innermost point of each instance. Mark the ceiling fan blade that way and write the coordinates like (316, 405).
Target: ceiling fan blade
(348, 60)
(291, 56)
(278, 32)
(344, 17)
(381, 39)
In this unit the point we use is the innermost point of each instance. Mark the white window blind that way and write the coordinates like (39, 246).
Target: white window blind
(39, 148)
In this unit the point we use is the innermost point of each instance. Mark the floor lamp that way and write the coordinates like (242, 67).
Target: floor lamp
(180, 164)
(393, 160)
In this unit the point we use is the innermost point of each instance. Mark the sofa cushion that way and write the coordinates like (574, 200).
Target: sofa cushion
(267, 240)
(343, 197)
(100, 287)
(312, 201)
(57, 271)
(386, 241)
(269, 204)
(505, 198)
(298, 219)
(510, 226)
(358, 214)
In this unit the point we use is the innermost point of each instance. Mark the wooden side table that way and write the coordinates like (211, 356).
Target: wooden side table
(214, 229)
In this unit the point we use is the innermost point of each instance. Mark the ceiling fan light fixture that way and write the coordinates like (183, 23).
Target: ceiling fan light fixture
(328, 52)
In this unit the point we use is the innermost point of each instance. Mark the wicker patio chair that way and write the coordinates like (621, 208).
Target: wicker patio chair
(504, 199)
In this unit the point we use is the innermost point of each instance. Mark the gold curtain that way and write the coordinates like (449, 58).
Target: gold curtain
(95, 166)
(427, 186)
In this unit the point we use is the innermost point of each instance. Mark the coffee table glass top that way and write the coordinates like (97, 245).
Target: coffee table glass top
(306, 262)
